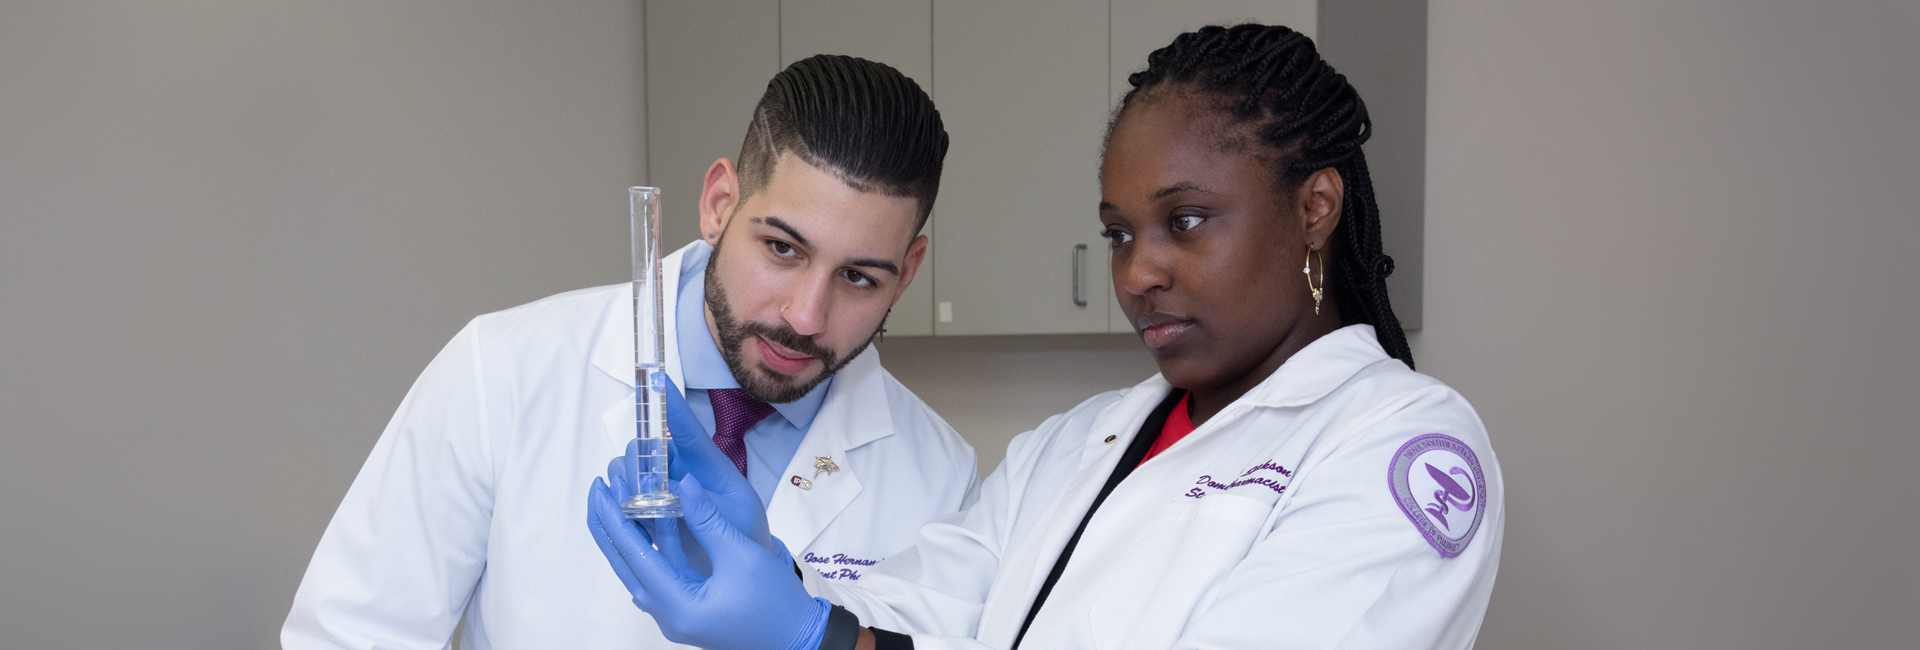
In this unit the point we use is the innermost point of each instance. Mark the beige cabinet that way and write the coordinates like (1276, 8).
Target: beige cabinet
(1022, 86)
(895, 32)
(707, 64)
(1025, 89)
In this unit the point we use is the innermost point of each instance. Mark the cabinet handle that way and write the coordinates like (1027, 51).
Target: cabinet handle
(1079, 255)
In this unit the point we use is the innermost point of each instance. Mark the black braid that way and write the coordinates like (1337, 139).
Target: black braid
(1295, 103)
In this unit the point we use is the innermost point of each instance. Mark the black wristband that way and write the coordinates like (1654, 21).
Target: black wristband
(885, 640)
(843, 630)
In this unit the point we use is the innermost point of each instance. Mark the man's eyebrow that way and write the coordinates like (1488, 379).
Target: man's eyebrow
(874, 263)
(801, 240)
(1176, 188)
(786, 228)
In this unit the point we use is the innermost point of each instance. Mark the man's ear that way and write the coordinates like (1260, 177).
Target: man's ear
(916, 253)
(719, 195)
(1321, 198)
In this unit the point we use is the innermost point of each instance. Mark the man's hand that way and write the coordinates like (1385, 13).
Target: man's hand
(750, 602)
(691, 452)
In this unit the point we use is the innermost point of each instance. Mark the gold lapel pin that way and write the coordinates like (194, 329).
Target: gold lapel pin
(824, 464)
(804, 484)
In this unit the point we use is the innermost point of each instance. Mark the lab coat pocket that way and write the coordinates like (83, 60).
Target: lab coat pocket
(1182, 554)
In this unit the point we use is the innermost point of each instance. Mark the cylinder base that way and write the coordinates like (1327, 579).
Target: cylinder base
(651, 506)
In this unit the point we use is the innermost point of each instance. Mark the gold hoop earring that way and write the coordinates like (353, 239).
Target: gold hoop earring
(1318, 292)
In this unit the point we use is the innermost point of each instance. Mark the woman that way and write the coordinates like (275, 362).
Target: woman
(1287, 481)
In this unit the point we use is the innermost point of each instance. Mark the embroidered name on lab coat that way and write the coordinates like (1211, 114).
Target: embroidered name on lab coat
(1268, 475)
(842, 572)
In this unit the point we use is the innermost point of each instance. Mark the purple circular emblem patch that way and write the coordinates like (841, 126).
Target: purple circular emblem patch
(1438, 483)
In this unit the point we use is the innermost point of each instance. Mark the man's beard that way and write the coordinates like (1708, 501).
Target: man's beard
(763, 383)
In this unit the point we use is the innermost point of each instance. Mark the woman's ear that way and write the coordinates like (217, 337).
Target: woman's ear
(1321, 198)
(718, 196)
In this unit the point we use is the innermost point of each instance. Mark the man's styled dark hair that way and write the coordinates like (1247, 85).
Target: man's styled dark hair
(1273, 85)
(863, 121)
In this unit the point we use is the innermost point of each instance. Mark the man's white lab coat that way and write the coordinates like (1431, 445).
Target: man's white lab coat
(473, 501)
(1345, 502)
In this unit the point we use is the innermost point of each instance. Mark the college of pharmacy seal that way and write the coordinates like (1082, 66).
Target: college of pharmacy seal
(1437, 481)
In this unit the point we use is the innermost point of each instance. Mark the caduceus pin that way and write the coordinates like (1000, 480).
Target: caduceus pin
(824, 464)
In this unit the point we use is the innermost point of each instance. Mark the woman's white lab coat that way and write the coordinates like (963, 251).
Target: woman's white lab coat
(478, 485)
(1310, 513)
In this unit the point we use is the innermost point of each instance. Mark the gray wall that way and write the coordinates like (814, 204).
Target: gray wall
(1381, 47)
(1670, 259)
(1666, 258)
(231, 234)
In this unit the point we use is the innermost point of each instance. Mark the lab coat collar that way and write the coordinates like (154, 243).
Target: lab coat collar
(1317, 369)
(857, 402)
(856, 412)
(700, 360)
(1309, 375)
(613, 348)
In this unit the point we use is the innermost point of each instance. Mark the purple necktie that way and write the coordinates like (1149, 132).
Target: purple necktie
(734, 412)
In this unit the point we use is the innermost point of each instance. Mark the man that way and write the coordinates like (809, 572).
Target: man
(469, 504)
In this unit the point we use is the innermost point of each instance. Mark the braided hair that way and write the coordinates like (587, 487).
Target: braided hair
(1273, 83)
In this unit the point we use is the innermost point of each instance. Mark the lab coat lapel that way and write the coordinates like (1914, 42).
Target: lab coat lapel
(855, 412)
(613, 349)
(1097, 460)
(1313, 373)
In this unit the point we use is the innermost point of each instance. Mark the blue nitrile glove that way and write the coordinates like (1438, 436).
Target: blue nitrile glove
(751, 602)
(666, 532)
(692, 452)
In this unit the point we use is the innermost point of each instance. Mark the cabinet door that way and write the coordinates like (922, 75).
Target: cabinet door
(897, 33)
(707, 65)
(1142, 26)
(1022, 89)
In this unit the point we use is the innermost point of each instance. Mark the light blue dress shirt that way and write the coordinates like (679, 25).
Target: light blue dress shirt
(771, 443)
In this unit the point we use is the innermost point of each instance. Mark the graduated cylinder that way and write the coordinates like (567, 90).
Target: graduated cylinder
(649, 365)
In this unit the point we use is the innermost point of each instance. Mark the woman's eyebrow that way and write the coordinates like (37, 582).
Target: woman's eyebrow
(1164, 192)
(1176, 188)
